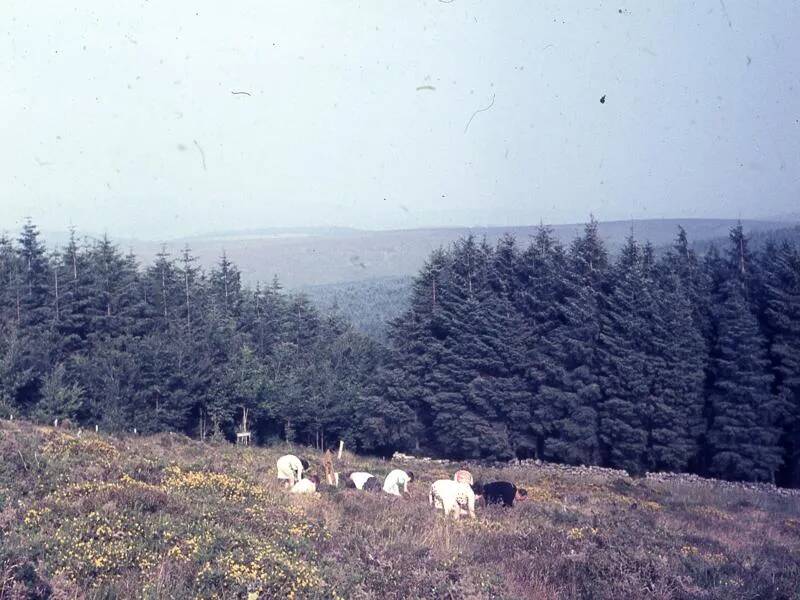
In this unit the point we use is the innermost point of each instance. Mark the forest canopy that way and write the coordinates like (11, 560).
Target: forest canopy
(674, 362)
(90, 335)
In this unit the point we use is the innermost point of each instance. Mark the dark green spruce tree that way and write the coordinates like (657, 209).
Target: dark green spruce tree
(742, 439)
(779, 299)
(623, 362)
(571, 399)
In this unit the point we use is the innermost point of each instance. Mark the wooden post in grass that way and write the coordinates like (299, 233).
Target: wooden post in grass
(327, 464)
(341, 447)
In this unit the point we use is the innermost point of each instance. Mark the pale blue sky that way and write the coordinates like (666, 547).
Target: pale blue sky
(107, 105)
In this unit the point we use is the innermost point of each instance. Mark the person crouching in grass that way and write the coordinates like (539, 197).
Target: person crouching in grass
(361, 480)
(452, 496)
(290, 469)
(306, 486)
(503, 492)
(398, 479)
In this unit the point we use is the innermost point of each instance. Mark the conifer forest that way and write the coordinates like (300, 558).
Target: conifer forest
(644, 361)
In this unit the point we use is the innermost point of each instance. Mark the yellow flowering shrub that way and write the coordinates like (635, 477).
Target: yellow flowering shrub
(690, 550)
(68, 445)
(272, 556)
(579, 533)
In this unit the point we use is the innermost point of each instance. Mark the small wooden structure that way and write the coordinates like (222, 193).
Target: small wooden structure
(243, 436)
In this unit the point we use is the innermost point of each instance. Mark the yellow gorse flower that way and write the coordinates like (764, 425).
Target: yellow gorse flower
(101, 545)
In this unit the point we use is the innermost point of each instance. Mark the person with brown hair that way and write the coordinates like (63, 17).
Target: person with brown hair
(463, 476)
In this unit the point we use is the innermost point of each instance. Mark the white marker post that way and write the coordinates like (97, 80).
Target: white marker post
(341, 447)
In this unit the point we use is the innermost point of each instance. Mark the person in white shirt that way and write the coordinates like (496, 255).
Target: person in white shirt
(306, 486)
(395, 479)
(452, 496)
(357, 479)
(290, 469)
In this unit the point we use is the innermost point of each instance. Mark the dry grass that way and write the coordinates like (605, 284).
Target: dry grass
(166, 516)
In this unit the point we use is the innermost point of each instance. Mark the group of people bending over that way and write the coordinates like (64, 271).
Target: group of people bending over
(454, 496)
(459, 494)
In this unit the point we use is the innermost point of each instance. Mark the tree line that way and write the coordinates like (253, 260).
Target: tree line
(88, 334)
(675, 362)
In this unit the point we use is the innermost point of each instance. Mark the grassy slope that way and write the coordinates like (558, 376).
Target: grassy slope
(166, 516)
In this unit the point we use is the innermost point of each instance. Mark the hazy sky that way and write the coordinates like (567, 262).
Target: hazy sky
(123, 116)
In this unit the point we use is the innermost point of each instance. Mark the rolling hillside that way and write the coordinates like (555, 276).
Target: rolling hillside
(319, 256)
(96, 517)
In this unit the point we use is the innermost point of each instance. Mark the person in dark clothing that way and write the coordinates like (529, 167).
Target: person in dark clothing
(372, 484)
(503, 492)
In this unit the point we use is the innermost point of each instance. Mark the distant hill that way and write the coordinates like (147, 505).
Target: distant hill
(758, 239)
(368, 274)
(371, 303)
(316, 256)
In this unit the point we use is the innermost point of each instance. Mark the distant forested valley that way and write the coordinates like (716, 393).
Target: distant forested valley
(369, 305)
(679, 360)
